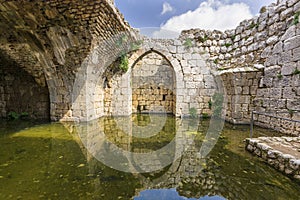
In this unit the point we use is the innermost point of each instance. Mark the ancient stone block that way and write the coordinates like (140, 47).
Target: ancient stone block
(285, 57)
(275, 92)
(291, 43)
(293, 104)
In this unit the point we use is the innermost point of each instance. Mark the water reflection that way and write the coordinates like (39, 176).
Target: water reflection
(127, 145)
(55, 161)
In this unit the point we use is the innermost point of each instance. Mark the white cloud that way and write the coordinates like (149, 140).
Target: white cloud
(211, 14)
(164, 34)
(166, 8)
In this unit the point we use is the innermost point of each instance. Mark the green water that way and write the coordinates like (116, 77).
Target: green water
(61, 161)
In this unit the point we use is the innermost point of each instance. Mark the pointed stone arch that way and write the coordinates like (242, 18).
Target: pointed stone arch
(172, 62)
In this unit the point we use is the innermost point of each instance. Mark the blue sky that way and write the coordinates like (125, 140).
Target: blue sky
(169, 194)
(177, 15)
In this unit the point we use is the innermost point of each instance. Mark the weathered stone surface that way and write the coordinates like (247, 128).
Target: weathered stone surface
(288, 68)
(292, 43)
(68, 32)
(280, 152)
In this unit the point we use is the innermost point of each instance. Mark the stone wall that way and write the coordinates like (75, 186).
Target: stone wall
(20, 93)
(70, 45)
(268, 43)
(188, 77)
(51, 39)
(241, 87)
(282, 153)
(153, 87)
(278, 92)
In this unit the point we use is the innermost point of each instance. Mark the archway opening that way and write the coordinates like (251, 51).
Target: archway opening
(153, 84)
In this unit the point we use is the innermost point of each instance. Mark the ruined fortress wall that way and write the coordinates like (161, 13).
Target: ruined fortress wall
(258, 61)
(259, 64)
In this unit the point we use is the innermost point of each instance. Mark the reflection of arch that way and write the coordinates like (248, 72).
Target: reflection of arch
(153, 84)
(173, 62)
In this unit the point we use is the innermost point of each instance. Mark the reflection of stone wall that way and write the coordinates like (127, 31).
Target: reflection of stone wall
(153, 85)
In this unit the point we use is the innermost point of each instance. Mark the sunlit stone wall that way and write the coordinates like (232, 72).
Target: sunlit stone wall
(153, 85)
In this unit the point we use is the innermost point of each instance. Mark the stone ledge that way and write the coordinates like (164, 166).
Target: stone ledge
(282, 153)
(255, 68)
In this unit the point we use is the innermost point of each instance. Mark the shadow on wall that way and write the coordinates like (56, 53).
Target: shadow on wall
(20, 94)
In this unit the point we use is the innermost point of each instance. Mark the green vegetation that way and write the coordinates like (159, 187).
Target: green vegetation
(233, 37)
(210, 104)
(124, 63)
(263, 10)
(14, 115)
(188, 43)
(296, 72)
(205, 115)
(216, 61)
(193, 112)
(291, 112)
(227, 45)
(221, 68)
(202, 39)
(296, 18)
(279, 76)
(253, 25)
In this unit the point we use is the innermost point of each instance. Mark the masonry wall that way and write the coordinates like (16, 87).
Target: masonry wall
(153, 85)
(279, 92)
(187, 77)
(19, 93)
(241, 88)
(51, 39)
(267, 44)
(64, 34)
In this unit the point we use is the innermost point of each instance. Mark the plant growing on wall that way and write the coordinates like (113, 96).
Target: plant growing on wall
(123, 66)
(14, 115)
(296, 72)
(188, 43)
(205, 115)
(253, 25)
(296, 18)
(233, 37)
(291, 112)
(202, 39)
(210, 104)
